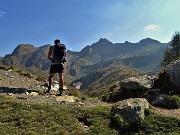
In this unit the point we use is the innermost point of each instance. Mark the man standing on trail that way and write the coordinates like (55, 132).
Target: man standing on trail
(57, 54)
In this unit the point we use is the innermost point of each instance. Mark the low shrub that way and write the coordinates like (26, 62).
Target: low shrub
(163, 82)
(172, 102)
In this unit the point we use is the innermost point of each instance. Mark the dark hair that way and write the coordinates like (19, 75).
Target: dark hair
(56, 41)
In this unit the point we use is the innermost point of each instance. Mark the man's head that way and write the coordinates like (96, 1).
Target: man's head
(56, 41)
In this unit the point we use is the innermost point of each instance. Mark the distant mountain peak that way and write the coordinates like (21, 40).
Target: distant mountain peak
(23, 48)
(127, 42)
(148, 41)
(103, 40)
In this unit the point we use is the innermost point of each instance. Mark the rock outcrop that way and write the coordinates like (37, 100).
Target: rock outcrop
(168, 79)
(131, 110)
(142, 82)
(173, 72)
(137, 86)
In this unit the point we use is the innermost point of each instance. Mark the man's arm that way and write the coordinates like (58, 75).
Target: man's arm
(50, 54)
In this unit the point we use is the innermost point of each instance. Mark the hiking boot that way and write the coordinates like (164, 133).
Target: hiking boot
(60, 92)
(48, 90)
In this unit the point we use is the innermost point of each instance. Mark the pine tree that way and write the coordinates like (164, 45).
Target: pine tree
(175, 44)
(173, 53)
(166, 58)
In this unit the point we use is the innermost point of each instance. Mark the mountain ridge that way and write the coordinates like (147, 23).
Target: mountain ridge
(81, 62)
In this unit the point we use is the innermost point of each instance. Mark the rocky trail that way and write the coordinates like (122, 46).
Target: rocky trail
(29, 90)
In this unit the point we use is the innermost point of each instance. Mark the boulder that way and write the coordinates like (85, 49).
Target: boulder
(131, 110)
(141, 82)
(168, 80)
(173, 71)
(137, 87)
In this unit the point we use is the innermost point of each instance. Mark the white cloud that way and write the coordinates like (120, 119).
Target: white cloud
(2, 13)
(152, 27)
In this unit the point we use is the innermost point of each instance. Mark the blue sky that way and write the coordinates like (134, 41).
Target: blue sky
(78, 23)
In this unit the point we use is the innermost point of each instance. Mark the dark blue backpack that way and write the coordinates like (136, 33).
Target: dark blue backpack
(58, 53)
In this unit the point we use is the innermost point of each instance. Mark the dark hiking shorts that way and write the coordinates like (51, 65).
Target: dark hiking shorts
(57, 68)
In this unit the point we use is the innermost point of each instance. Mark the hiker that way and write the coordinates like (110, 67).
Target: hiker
(57, 54)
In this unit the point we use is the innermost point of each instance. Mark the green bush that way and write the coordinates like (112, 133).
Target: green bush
(164, 83)
(172, 102)
(117, 120)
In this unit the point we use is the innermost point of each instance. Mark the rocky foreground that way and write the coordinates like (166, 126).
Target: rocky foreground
(29, 90)
(69, 114)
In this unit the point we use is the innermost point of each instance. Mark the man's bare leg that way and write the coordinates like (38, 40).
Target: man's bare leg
(61, 84)
(50, 82)
(61, 80)
(50, 79)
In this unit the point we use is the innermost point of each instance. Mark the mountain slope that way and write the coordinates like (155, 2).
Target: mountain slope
(144, 55)
(106, 75)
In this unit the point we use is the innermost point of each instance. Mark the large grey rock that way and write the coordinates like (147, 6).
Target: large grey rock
(141, 82)
(173, 71)
(131, 110)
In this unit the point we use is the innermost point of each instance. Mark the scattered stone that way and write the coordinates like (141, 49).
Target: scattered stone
(33, 94)
(65, 98)
(10, 94)
(65, 88)
(10, 70)
(27, 93)
(77, 85)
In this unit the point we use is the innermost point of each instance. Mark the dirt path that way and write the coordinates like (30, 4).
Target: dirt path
(166, 112)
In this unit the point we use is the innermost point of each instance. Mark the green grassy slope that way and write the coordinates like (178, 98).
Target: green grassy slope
(38, 119)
